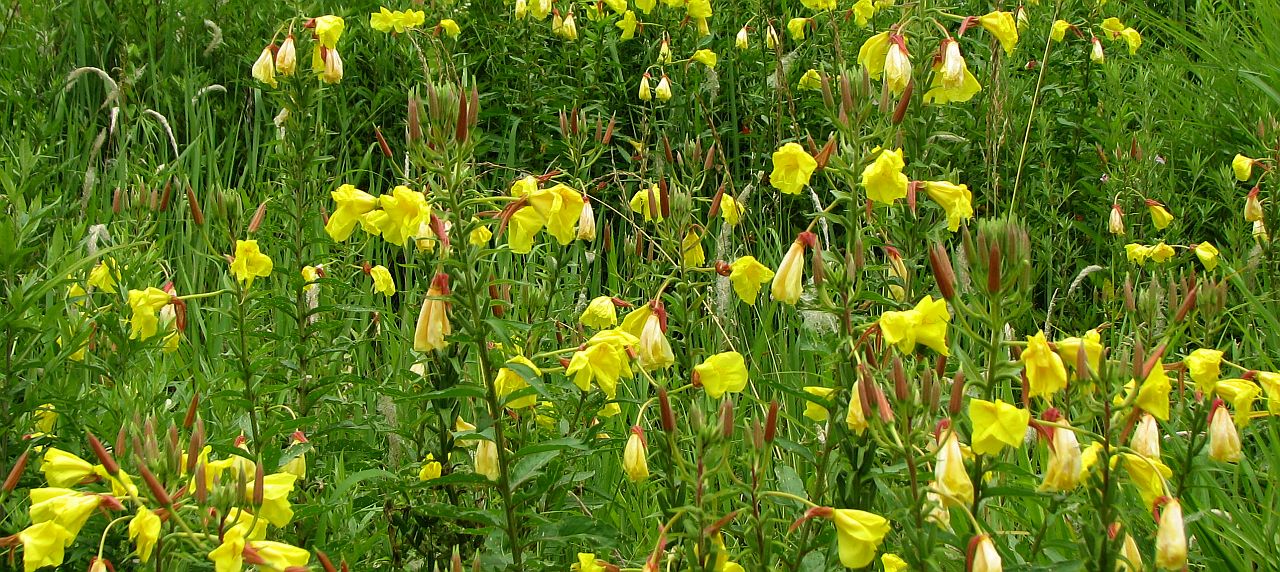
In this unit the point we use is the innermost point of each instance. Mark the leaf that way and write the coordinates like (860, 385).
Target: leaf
(528, 466)
(341, 489)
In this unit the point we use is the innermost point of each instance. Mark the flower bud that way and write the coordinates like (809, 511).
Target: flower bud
(741, 40)
(726, 419)
(668, 416)
(943, 273)
(11, 481)
(1146, 437)
(957, 394)
(663, 92)
(771, 422)
(1252, 206)
(645, 94)
(487, 460)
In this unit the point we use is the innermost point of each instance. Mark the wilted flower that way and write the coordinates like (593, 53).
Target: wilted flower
(1224, 438)
(1171, 537)
(433, 320)
(788, 281)
(264, 69)
(635, 456)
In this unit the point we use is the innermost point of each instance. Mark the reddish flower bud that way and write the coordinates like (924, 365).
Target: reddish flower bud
(668, 416)
(11, 481)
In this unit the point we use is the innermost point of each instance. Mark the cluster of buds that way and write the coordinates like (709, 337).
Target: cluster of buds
(450, 113)
(574, 124)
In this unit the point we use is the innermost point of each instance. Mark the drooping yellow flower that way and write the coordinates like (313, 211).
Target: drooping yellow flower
(897, 66)
(628, 26)
(264, 68)
(600, 313)
(635, 455)
(811, 80)
(145, 306)
(449, 27)
(383, 283)
(996, 425)
(433, 320)
(871, 56)
(1271, 383)
(1242, 167)
(1241, 394)
(892, 562)
(699, 11)
(329, 29)
(1004, 27)
(747, 275)
(352, 203)
(796, 26)
(249, 263)
(645, 203)
(1146, 437)
(813, 410)
(43, 545)
(480, 235)
(705, 57)
(604, 361)
(45, 417)
(883, 178)
(655, 350)
(69, 508)
(229, 556)
(788, 281)
(721, 373)
(1059, 30)
(1064, 469)
(385, 20)
(926, 324)
(1224, 438)
(121, 484)
(1208, 255)
(1091, 344)
(1132, 38)
(430, 470)
(1205, 367)
(487, 460)
(1137, 253)
(985, 556)
(951, 481)
(1046, 375)
(741, 41)
(1153, 395)
(856, 418)
(691, 253)
(1162, 252)
(104, 275)
(858, 535)
(730, 210)
(144, 530)
(792, 167)
(62, 469)
(940, 94)
(633, 323)
(279, 556)
(509, 381)
(1112, 26)
(276, 488)
(1159, 215)
(955, 199)
(1130, 557)
(863, 11)
(1171, 538)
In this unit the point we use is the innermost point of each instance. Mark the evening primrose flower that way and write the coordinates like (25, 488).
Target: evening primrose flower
(43, 544)
(449, 27)
(1224, 438)
(655, 350)
(628, 26)
(144, 530)
(705, 57)
(951, 481)
(70, 509)
(229, 556)
(328, 29)
(856, 418)
(104, 275)
(62, 469)
(1091, 344)
(635, 456)
(1146, 437)
(248, 264)
(1171, 537)
(430, 470)
(721, 373)
(618, 6)
(382, 281)
(813, 410)
(1059, 30)
(645, 94)
(264, 69)
(699, 11)
(145, 306)
(730, 210)
(1096, 54)
(741, 40)
(1242, 167)
(1162, 252)
(1153, 394)
(863, 11)
(540, 9)
(792, 168)
(883, 178)
(433, 320)
(985, 556)
(276, 488)
(278, 555)
(1208, 255)
(333, 71)
(403, 211)
(897, 65)
(1253, 207)
(297, 466)
(996, 425)
(1205, 367)
(819, 4)
(45, 417)
(926, 324)
(691, 253)
(587, 563)
(955, 199)
(747, 275)
(892, 562)
(858, 535)
(508, 381)
(1003, 26)
(1137, 253)
(351, 203)
(871, 56)
(1064, 468)
(1132, 38)
(1241, 394)
(796, 27)
(1115, 221)
(600, 313)
(604, 361)
(663, 91)
(1271, 383)
(1046, 374)
(788, 281)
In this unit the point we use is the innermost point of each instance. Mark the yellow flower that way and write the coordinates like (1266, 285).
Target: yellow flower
(645, 94)
(1003, 26)
(70, 509)
(1159, 215)
(487, 460)
(45, 417)
(655, 350)
(730, 210)
(955, 199)
(450, 27)
(430, 469)
(1153, 395)
(892, 562)
(279, 556)
(1208, 255)
(663, 91)
(509, 381)
(480, 235)
(144, 530)
(897, 66)
(747, 275)
(1171, 538)
(121, 485)
(1205, 367)
(788, 281)
(741, 41)
(812, 409)
(1112, 26)
(1162, 252)
(628, 25)
(382, 281)
(871, 56)
(951, 482)
(249, 263)
(705, 57)
(1096, 54)
(329, 29)
(985, 556)
(297, 466)
(1059, 30)
(264, 68)
(332, 68)
(1069, 350)
(352, 203)
(796, 27)
(1242, 167)
(1224, 438)
(723, 372)
(940, 94)
(568, 29)
(1130, 558)
(858, 535)
(1132, 38)
(691, 253)
(1137, 253)
(600, 314)
(996, 425)
(1271, 383)
(856, 418)
(618, 6)
(539, 9)
(604, 361)
(145, 305)
(43, 545)
(587, 563)
(62, 469)
(1089, 458)
(635, 457)
(1241, 394)
(883, 178)
(229, 556)
(385, 20)
(104, 275)
(632, 324)
(863, 11)
(1146, 437)
(819, 4)
(433, 320)
(926, 324)
(1065, 466)
(646, 6)
(811, 80)
(1046, 375)
(404, 211)
(275, 498)
(792, 167)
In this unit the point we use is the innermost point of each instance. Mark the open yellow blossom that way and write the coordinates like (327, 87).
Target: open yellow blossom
(955, 199)
(996, 425)
(430, 470)
(1160, 216)
(730, 210)
(1271, 384)
(1004, 27)
(926, 324)
(229, 556)
(796, 26)
(811, 80)
(858, 535)
(1091, 344)
(1137, 253)
(1205, 367)
(587, 563)
(1153, 394)
(628, 26)
(449, 27)
(1208, 255)
(952, 80)
(721, 373)
(509, 381)
(883, 178)
(600, 313)
(691, 253)
(1149, 475)
(480, 235)
(405, 210)
(43, 545)
(62, 469)
(863, 11)
(382, 281)
(249, 263)
(603, 361)
(1046, 374)
(69, 508)
(871, 56)
(352, 203)
(1242, 167)
(792, 167)
(1241, 394)
(705, 57)
(45, 417)
(645, 203)
(813, 410)
(329, 29)
(1059, 30)
(144, 530)
(399, 22)
(1162, 252)
(146, 305)
(893, 563)
(699, 11)
(276, 488)
(104, 275)
(747, 275)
